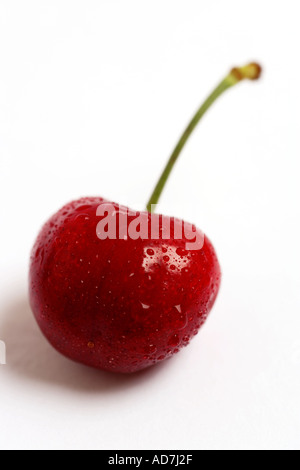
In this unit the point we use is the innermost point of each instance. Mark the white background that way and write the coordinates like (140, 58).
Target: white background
(93, 95)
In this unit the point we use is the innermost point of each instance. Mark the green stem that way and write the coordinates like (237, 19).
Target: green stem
(251, 72)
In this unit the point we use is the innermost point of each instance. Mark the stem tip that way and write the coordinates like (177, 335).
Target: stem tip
(251, 71)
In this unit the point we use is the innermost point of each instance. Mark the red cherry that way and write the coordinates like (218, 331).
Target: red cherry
(118, 305)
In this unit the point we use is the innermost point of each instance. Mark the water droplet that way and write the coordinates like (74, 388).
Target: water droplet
(150, 252)
(83, 207)
(174, 340)
(82, 217)
(145, 306)
(173, 267)
(151, 349)
(131, 275)
(166, 259)
(182, 321)
(161, 358)
(181, 252)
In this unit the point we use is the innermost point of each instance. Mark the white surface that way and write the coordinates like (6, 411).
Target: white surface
(93, 95)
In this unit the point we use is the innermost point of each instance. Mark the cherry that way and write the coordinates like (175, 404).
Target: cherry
(123, 304)
(118, 305)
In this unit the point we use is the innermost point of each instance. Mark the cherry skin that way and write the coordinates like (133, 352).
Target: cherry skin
(118, 305)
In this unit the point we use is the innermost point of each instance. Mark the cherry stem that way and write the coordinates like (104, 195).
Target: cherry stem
(252, 72)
